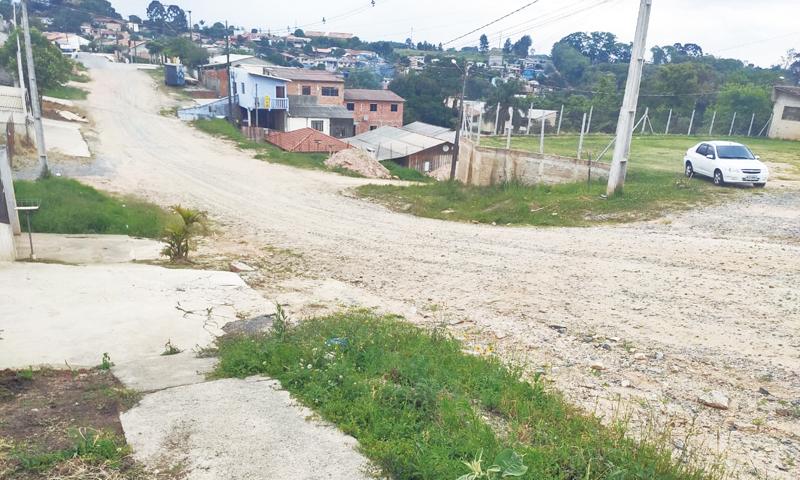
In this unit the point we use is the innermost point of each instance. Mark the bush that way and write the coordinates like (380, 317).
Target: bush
(179, 237)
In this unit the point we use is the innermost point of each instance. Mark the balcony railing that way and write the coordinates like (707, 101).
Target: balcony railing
(279, 104)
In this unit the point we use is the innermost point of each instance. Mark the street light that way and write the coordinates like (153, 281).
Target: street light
(456, 148)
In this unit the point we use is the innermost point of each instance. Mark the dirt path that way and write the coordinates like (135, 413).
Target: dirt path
(663, 311)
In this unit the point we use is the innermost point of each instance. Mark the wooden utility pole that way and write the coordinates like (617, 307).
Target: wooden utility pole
(19, 71)
(457, 145)
(627, 114)
(44, 170)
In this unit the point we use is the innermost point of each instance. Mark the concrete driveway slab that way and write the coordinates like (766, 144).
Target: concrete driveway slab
(239, 429)
(84, 249)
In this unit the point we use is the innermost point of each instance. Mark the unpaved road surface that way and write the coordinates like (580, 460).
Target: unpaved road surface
(664, 311)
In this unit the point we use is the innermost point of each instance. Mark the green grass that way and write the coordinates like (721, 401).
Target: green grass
(67, 92)
(405, 173)
(79, 77)
(419, 406)
(268, 152)
(70, 207)
(654, 186)
(89, 445)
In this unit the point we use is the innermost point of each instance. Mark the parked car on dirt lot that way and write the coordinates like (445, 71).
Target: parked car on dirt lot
(725, 162)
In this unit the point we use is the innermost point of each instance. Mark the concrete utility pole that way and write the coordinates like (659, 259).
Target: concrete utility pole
(191, 36)
(627, 114)
(669, 120)
(44, 171)
(230, 81)
(457, 145)
(497, 119)
(19, 69)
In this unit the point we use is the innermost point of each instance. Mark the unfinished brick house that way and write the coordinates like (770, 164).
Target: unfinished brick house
(326, 86)
(374, 108)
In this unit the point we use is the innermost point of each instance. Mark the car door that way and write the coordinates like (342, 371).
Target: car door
(709, 164)
(699, 159)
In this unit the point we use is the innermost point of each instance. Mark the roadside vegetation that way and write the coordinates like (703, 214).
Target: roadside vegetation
(420, 407)
(70, 207)
(405, 173)
(76, 434)
(655, 186)
(66, 92)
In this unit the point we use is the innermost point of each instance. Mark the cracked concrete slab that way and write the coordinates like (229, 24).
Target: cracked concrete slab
(239, 429)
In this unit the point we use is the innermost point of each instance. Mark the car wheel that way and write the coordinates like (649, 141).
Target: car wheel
(759, 185)
(719, 180)
(689, 170)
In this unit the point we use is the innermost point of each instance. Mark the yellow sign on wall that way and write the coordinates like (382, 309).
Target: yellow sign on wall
(267, 102)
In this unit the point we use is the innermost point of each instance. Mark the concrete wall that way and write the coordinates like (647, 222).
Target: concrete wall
(296, 88)
(364, 118)
(489, 166)
(780, 128)
(7, 211)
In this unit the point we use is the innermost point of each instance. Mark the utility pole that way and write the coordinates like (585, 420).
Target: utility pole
(457, 145)
(230, 81)
(44, 171)
(19, 70)
(622, 150)
(191, 36)
(497, 119)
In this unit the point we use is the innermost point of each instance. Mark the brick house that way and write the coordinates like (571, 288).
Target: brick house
(374, 108)
(328, 87)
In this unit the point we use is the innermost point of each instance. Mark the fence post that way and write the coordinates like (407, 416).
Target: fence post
(691, 122)
(669, 120)
(580, 141)
(560, 117)
(763, 130)
(480, 125)
(733, 122)
(497, 119)
(530, 114)
(752, 120)
(589, 120)
(646, 116)
(510, 127)
(711, 128)
(541, 136)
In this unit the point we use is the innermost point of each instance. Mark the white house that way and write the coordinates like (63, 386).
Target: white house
(261, 96)
(786, 113)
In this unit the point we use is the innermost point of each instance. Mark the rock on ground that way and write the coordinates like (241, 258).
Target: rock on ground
(715, 399)
(358, 161)
(238, 429)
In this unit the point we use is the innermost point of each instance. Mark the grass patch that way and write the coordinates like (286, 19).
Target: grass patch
(419, 406)
(79, 77)
(268, 152)
(405, 173)
(70, 207)
(67, 92)
(91, 446)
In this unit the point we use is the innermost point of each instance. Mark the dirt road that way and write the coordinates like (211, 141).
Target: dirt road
(657, 313)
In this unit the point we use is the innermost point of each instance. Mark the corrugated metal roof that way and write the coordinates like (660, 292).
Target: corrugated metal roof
(789, 90)
(387, 143)
(362, 94)
(11, 99)
(304, 106)
(435, 131)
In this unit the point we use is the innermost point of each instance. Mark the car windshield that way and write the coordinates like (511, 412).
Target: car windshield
(735, 152)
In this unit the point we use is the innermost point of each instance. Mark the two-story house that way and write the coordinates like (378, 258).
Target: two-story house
(261, 96)
(328, 87)
(374, 108)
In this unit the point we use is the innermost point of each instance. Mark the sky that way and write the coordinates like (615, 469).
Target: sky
(756, 31)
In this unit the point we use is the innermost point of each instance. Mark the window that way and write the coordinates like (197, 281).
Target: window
(702, 150)
(791, 114)
(306, 90)
(394, 107)
(373, 107)
(373, 127)
(735, 152)
(280, 92)
(243, 92)
(351, 106)
(318, 125)
(330, 92)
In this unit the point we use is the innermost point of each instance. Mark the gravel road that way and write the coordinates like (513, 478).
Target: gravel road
(649, 316)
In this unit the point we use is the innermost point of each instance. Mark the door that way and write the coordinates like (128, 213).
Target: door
(701, 162)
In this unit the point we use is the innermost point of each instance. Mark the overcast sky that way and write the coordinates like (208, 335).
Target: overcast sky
(758, 31)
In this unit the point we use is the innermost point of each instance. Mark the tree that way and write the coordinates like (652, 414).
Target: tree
(409, 43)
(569, 62)
(599, 47)
(299, 32)
(70, 20)
(363, 78)
(52, 68)
(155, 49)
(176, 20)
(190, 53)
(135, 19)
(508, 47)
(522, 46)
(744, 99)
(484, 43)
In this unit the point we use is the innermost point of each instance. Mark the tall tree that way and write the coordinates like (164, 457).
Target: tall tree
(484, 43)
(508, 47)
(52, 68)
(522, 46)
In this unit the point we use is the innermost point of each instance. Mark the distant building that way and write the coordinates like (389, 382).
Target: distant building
(261, 96)
(306, 111)
(214, 74)
(374, 108)
(423, 147)
(786, 113)
(326, 86)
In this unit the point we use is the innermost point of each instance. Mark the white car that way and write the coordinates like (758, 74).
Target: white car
(725, 162)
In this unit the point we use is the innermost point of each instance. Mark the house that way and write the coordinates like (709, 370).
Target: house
(69, 43)
(108, 23)
(328, 87)
(214, 74)
(786, 113)
(132, 27)
(306, 140)
(374, 108)
(496, 59)
(261, 96)
(408, 147)
(307, 111)
(416, 62)
(336, 35)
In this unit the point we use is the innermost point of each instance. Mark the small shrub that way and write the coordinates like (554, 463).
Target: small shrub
(106, 363)
(170, 349)
(179, 237)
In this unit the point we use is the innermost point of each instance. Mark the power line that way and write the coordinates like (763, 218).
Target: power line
(492, 22)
